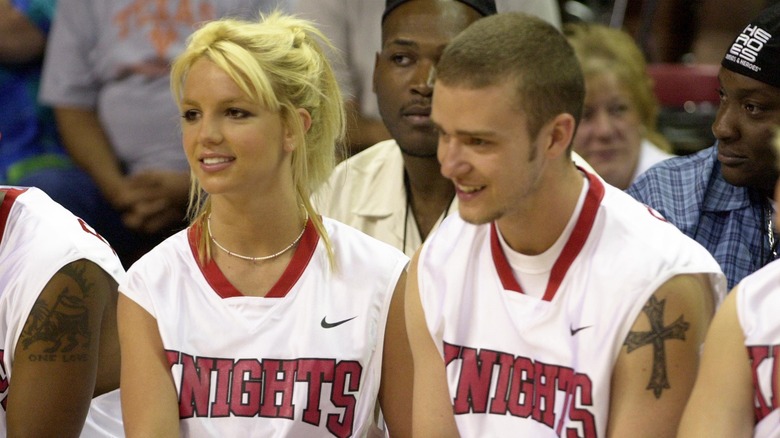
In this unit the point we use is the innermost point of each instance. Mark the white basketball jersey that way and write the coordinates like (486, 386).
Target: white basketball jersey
(535, 366)
(39, 237)
(303, 361)
(758, 305)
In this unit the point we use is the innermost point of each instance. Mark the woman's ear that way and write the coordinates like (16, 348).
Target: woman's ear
(305, 117)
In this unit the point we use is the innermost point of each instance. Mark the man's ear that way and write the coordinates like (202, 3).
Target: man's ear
(560, 132)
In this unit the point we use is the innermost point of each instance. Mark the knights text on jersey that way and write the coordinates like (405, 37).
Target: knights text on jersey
(758, 303)
(38, 237)
(541, 365)
(303, 361)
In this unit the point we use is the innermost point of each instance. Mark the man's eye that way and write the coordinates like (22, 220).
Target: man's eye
(401, 60)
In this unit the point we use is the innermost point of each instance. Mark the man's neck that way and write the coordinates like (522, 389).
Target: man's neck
(429, 194)
(538, 224)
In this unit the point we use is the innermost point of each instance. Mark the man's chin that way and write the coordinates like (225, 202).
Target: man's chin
(418, 154)
(735, 177)
(477, 218)
(418, 144)
(418, 149)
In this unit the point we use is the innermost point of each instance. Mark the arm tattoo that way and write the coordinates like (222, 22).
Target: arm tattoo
(657, 335)
(64, 325)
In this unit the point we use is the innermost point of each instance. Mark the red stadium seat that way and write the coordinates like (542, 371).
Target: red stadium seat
(688, 96)
(676, 84)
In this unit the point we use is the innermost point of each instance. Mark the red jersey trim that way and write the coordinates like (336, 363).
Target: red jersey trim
(570, 251)
(222, 286)
(8, 198)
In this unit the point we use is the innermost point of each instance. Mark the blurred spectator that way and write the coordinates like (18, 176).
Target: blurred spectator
(718, 22)
(30, 153)
(352, 26)
(106, 75)
(679, 30)
(617, 134)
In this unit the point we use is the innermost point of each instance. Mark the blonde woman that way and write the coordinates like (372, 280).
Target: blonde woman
(261, 318)
(617, 134)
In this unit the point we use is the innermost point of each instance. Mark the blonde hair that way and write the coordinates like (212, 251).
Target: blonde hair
(602, 49)
(279, 63)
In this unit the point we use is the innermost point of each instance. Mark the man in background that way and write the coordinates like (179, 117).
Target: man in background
(721, 196)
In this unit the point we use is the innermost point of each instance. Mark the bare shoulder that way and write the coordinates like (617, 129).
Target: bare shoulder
(657, 365)
(71, 303)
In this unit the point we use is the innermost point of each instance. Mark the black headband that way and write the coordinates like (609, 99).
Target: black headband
(484, 7)
(755, 52)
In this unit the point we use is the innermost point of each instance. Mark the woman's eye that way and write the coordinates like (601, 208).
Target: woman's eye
(237, 113)
(189, 115)
(619, 109)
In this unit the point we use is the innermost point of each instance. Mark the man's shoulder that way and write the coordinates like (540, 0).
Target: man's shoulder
(368, 183)
(455, 239)
(688, 163)
(386, 149)
(369, 166)
(677, 177)
(643, 246)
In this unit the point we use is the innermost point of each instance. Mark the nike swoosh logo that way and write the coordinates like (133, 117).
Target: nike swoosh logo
(327, 325)
(574, 331)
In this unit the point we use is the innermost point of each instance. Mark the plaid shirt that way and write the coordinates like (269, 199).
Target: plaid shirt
(730, 221)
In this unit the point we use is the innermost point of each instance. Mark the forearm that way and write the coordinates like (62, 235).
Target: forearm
(20, 40)
(89, 146)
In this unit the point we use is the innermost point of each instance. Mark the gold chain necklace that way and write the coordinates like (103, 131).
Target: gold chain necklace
(255, 259)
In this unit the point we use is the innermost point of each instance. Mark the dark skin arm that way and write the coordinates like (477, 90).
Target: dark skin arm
(88, 145)
(149, 201)
(20, 40)
(66, 355)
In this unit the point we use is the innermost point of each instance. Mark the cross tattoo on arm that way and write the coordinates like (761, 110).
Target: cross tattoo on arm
(657, 335)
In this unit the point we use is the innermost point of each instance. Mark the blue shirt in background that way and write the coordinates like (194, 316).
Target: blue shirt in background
(730, 221)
